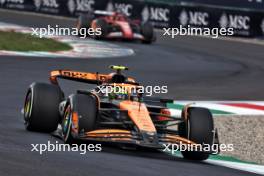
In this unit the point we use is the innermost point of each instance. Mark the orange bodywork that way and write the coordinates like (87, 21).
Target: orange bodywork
(139, 114)
(75, 121)
(118, 135)
(109, 134)
(176, 139)
(108, 131)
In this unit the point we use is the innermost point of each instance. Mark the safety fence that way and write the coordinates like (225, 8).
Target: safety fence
(246, 18)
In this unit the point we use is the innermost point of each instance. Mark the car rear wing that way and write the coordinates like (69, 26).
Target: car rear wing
(91, 78)
(103, 13)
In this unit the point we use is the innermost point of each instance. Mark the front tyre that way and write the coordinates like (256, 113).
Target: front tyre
(147, 30)
(79, 117)
(41, 108)
(84, 22)
(103, 25)
(199, 129)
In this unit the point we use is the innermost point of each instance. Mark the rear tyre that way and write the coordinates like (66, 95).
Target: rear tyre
(41, 108)
(148, 33)
(84, 22)
(199, 128)
(103, 25)
(85, 106)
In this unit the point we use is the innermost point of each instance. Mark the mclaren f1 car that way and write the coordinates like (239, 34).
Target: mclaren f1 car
(124, 117)
(115, 25)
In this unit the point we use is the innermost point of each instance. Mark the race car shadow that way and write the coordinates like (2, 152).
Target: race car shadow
(132, 151)
(145, 153)
(123, 41)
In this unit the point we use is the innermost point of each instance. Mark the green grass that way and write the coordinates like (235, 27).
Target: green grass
(12, 41)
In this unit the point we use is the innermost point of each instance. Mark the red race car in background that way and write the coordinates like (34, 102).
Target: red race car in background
(115, 25)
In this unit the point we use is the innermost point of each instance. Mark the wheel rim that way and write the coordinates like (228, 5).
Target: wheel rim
(28, 106)
(67, 123)
(188, 129)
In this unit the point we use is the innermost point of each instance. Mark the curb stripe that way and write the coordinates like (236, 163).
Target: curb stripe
(245, 105)
(180, 107)
(226, 107)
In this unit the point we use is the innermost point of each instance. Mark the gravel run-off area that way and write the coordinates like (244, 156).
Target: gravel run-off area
(246, 133)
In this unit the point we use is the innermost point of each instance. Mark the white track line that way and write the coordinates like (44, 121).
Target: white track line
(257, 169)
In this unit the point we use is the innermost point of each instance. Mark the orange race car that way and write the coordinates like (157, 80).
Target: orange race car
(123, 116)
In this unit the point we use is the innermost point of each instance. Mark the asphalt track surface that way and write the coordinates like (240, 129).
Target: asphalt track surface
(192, 68)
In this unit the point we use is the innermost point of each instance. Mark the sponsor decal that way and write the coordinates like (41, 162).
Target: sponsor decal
(17, 4)
(50, 3)
(183, 18)
(240, 23)
(120, 7)
(262, 25)
(196, 18)
(110, 7)
(2, 2)
(84, 5)
(155, 13)
(50, 6)
(80, 5)
(71, 6)
(145, 14)
(37, 4)
(159, 16)
(14, 1)
(223, 22)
